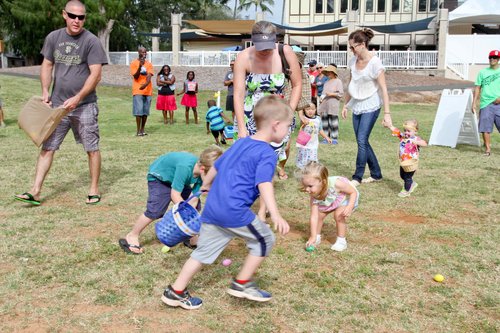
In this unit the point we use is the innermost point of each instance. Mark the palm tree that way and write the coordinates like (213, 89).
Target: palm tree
(235, 7)
(263, 5)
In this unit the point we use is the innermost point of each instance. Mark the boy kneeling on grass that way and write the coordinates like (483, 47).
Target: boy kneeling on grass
(171, 177)
(242, 173)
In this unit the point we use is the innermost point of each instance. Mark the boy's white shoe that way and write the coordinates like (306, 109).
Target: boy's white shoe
(355, 183)
(339, 246)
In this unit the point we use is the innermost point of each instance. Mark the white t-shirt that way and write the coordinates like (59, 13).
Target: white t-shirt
(313, 129)
(363, 87)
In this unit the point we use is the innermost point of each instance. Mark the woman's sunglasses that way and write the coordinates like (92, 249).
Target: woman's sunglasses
(74, 16)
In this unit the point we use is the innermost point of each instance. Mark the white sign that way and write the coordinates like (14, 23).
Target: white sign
(455, 123)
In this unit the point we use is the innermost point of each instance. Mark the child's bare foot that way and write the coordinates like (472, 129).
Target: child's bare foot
(281, 173)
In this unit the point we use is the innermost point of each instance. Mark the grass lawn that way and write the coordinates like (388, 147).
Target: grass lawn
(61, 269)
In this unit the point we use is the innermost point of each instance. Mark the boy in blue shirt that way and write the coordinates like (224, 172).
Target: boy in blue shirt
(215, 122)
(237, 178)
(171, 177)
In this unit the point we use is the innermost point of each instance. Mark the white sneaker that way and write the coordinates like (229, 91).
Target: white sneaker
(370, 180)
(413, 187)
(355, 183)
(318, 240)
(339, 247)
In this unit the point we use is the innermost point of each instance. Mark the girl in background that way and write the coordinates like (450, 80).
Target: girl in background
(166, 94)
(308, 151)
(189, 99)
(328, 194)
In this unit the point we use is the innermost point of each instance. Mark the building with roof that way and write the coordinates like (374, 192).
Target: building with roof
(398, 24)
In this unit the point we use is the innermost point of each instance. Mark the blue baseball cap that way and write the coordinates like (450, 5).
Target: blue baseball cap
(264, 41)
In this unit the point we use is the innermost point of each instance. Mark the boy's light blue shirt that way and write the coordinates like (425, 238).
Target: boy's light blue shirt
(176, 169)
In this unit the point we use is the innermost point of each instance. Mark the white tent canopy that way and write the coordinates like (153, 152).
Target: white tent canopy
(476, 12)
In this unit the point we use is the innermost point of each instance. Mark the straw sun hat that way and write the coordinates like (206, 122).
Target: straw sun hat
(330, 68)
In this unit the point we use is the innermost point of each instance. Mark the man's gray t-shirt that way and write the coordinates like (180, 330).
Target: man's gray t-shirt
(229, 76)
(71, 56)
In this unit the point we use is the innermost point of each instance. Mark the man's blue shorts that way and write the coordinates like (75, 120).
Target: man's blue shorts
(141, 106)
(488, 116)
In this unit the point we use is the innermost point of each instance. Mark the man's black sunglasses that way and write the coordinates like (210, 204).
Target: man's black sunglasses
(74, 16)
(494, 57)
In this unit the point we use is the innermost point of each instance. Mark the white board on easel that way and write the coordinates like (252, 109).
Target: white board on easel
(455, 123)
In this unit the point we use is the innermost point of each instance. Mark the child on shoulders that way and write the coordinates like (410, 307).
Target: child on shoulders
(333, 194)
(244, 172)
(215, 122)
(307, 152)
(409, 151)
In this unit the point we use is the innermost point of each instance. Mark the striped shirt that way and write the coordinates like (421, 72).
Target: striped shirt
(215, 119)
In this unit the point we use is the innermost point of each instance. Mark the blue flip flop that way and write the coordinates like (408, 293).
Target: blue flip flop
(30, 200)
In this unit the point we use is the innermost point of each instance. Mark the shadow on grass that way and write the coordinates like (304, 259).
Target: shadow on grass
(109, 176)
(468, 148)
(393, 184)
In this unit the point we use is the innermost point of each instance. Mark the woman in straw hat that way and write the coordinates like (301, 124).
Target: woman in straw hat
(333, 91)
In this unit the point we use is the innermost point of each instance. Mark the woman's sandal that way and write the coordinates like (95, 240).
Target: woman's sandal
(487, 154)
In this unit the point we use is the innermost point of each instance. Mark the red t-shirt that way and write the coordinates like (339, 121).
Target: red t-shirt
(312, 76)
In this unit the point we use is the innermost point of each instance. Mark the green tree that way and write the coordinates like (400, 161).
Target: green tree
(263, 5)
(144, 15)
(26, 23)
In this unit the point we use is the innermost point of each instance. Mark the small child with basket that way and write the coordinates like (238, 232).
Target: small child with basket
(328, 194)
(307, 139)
(171, 177)
(409, 148)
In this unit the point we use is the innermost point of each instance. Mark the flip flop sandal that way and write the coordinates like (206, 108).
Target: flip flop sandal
(487, 154)
(126, 246)
(95, 196)
(30, 200)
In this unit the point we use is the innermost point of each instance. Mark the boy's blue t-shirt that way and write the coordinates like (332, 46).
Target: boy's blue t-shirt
(215, 119)
(240, 170)
(176, 169)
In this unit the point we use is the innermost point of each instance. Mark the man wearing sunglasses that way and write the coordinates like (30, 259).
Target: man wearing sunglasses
(487, 92)
(74, 57)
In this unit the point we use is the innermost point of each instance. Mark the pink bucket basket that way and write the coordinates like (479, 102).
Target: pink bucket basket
(303, 138)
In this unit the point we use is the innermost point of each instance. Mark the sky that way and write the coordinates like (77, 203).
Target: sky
(275, 18)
